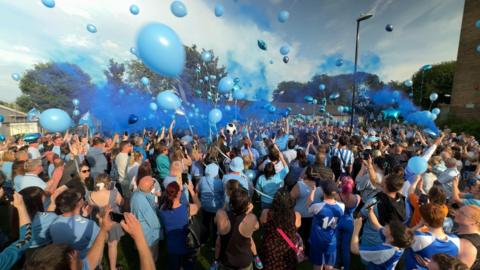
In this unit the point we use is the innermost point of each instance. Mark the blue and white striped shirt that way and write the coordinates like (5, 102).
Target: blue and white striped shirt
(345, 156)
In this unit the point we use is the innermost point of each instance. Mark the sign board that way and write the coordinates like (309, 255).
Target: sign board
(22, 128)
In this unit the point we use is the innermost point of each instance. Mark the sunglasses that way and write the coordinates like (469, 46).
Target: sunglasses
(85, 171)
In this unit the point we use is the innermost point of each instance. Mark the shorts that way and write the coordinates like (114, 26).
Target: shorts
(322, 256)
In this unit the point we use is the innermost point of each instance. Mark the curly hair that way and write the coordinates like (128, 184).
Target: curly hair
(282, 213)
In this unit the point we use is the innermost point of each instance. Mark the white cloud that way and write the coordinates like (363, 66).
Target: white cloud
(73, 40)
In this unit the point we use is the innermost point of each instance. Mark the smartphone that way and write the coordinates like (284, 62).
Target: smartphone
(116, 217)
(423, 199)
(8, 194)
(366, 154)
(372, 204)
(184, 178)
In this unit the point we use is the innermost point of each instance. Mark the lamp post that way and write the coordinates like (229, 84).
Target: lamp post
(363, 17)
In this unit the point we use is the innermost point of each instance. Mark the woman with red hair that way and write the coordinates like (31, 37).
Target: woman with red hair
(175, 216)
(345, 222)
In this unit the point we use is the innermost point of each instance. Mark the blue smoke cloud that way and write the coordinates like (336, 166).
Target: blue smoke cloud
(387, 97)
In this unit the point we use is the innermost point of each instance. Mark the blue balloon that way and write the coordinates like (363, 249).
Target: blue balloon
(49, 3)
(283, 16)
(286, 59)
(31, 137)
(284, 50)
(121, 91)
(477, 24)
(436, 111)
(239, 94)
(215, 116)
(132, 119)
(206, 56)
(433, 97)
(2, 118)
(76, 112)
(322, 87)
(16, 77)
(225, 85)
(2, 138)
(308, 98)
(262, 44)
(91, 28)
(271, 62)
(206, 78)
(334, 96)
(55, 120)
(133, 51)
(272, 109)
(228, 108)
(178, 9)
(161, 49)
(426, 67)
(340, 109)
(219, 10)
(339, 62)
(236, 80)
(417, 165)
(153, 106)
(408, 83)
(145, 81)
(168, 100)
(251, 174)
(134, 9)
(389, 28)
(75, 102)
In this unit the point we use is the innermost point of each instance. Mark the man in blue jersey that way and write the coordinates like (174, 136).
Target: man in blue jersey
(432, 241)
(323, 241)
(395, 236)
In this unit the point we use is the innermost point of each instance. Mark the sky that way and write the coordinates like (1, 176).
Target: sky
(318, 32)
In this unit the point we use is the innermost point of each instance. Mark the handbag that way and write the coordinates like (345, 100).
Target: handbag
(194, 231)
(298, 246)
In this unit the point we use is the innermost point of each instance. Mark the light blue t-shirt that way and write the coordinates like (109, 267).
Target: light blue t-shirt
(40, 228)
(144, 208)
(243, 179)
(468, 199)
(282, 142)
(270, 186)
(301, 202)
(76, 231)
(212, 195)
(7, 169)
(28, 180)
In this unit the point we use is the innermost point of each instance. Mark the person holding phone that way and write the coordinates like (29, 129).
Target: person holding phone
(102, 197)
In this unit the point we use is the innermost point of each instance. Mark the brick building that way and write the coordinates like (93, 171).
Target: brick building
(465, 101)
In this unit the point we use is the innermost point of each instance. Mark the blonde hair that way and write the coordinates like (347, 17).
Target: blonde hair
(247, 162)
(137, 157)
(8, 156)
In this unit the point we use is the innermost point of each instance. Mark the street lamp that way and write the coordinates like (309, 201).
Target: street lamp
(363, 17)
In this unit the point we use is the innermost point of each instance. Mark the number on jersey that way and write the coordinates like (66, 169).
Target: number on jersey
(329, 222)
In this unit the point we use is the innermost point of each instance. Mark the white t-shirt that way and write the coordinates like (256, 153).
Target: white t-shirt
(121, 161)
(289, 155)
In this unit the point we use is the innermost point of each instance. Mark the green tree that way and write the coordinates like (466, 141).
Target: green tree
(438, 80)
(53, 85)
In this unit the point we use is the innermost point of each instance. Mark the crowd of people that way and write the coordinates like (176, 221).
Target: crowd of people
(269, 196)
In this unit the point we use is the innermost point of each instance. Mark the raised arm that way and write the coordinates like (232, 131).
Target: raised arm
(374, 220)
(355, 242)
(95, 253)
(456, 195)
(133, 227)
